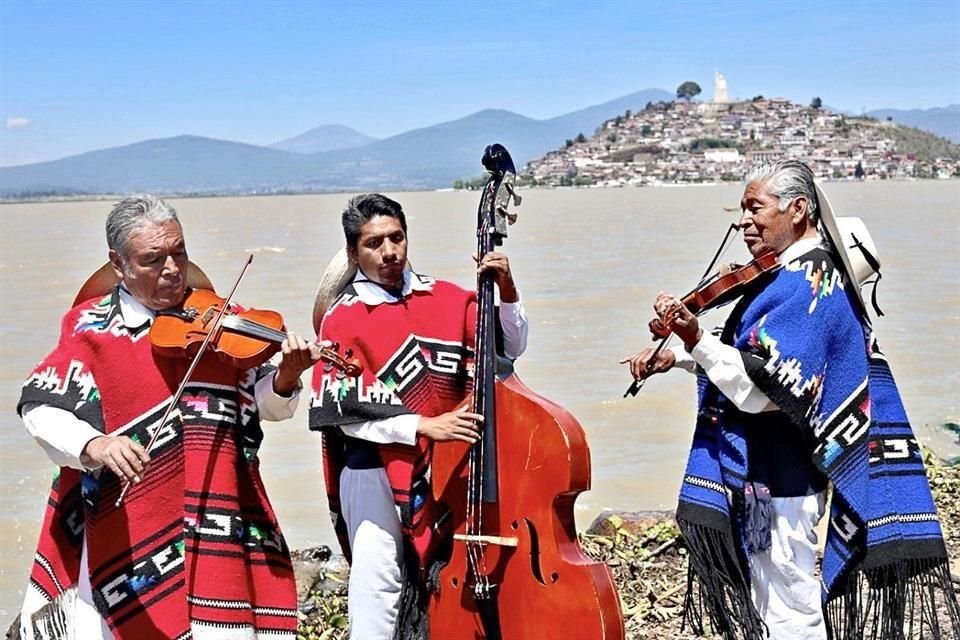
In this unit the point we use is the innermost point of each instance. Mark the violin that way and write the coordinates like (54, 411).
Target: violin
(243, 339)
(515, 567)
(720, 289)
(711, 293)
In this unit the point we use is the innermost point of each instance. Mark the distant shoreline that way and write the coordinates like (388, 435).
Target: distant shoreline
(183, 196)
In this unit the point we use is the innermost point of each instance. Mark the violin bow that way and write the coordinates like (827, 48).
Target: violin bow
(637, 384)
(186, 378)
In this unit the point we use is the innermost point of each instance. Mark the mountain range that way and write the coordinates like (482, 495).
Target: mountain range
(941, 121)
(337, 158)
(328, 137)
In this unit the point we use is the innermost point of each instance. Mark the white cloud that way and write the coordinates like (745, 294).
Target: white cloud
(17, 123)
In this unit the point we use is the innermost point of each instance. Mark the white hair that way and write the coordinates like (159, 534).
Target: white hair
(132, 214)
(787, 179)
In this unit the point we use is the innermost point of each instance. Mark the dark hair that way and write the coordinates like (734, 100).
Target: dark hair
(362, 208)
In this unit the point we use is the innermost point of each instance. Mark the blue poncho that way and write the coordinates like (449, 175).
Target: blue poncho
(808, 346)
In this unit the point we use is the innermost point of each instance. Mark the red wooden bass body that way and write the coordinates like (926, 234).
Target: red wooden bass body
(516, 570)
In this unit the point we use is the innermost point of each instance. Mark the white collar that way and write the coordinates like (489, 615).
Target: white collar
(799, 248)
(135, 314)
(372, 294)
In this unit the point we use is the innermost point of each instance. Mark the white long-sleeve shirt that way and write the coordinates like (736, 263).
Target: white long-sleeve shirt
(63, 436)
(723, 364)
(403, 429)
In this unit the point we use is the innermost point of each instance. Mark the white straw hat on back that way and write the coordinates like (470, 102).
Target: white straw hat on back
(854, 244)
(338, 274)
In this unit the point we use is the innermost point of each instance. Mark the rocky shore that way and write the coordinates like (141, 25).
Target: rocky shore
(642, 549)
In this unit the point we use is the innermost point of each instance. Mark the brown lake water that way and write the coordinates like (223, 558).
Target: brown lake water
(588, 262)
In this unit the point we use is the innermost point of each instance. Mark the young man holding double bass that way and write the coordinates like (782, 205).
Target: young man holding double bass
(193, 549)
(413, 335)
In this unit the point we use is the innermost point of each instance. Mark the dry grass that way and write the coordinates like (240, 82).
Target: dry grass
(649, 568)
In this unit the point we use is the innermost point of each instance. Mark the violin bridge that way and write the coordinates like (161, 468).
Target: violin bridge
(503, 541)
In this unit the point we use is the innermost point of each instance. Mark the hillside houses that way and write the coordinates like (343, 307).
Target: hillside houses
(675, 142)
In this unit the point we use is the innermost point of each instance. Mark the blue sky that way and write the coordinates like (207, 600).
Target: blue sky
(78, 76)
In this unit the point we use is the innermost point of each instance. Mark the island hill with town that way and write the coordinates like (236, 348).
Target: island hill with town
(687, 141)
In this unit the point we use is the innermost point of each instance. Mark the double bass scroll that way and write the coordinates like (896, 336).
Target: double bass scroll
(515, 568)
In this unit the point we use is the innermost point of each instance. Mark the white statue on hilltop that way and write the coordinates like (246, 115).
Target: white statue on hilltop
(719, 88)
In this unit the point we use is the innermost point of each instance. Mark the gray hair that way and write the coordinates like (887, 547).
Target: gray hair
(787, 179)
(134, 213)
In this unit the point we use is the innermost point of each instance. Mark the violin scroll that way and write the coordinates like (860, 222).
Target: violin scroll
(349, 365)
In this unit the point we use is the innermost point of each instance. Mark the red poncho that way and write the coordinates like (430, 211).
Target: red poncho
(417, 358)
(196, 545)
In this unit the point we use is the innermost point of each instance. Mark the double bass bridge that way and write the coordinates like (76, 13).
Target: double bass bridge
(503, 541)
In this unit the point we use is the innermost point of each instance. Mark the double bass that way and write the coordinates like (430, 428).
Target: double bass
(515, 569)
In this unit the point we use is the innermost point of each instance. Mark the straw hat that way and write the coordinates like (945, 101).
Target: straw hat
(339, 273)
(854, 244)
(105, 278)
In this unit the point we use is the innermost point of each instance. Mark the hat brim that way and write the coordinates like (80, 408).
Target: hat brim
(104, 279)
(340, 272)
(829, 227)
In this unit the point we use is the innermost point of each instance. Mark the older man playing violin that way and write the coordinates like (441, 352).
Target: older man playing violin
(795, 396)
(194, 550)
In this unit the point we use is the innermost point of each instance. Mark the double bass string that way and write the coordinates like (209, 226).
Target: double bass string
(478, 450)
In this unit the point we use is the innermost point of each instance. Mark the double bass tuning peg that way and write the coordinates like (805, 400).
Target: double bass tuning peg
(509, 215)
(516, 196)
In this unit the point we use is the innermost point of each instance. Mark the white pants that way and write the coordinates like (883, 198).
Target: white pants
(84, 621)
(376, 542)
(785, 591)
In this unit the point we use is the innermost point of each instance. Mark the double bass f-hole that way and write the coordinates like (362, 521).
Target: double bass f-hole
(515, 568)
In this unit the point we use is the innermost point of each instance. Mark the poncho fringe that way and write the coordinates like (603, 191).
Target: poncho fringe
(885, 567)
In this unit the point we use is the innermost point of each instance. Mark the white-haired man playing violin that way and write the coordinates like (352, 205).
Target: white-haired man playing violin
(194, 549)
(795, 397)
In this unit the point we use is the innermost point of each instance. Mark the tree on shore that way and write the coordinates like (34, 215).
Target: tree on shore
(816, 103)
(688, 90)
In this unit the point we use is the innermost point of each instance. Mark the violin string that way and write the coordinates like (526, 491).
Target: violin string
(269, 334)
(253, 329)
